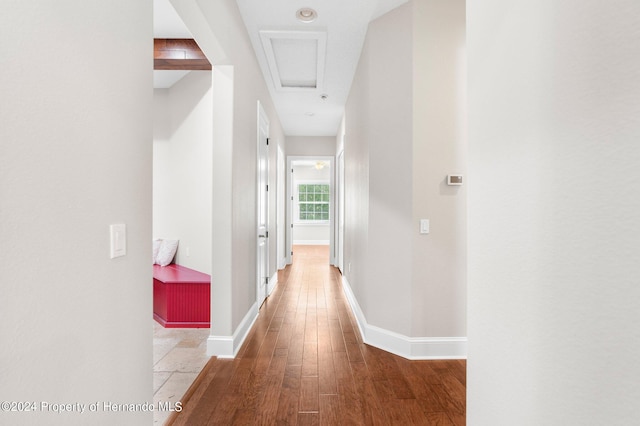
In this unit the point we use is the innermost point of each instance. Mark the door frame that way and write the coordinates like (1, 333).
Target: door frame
(262, 206)
(281, 209)
(340, 212)
(332, 204)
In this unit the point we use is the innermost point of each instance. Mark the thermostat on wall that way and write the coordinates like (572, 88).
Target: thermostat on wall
(454, 179)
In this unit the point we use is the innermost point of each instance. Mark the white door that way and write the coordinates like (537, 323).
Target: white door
(262, 191)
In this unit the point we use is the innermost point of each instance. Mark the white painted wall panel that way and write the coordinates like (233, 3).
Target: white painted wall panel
(554, 103)
(76, 155)
(404, 127)
(439, 148)
(311, 145)
(219, 30)
(182, 168)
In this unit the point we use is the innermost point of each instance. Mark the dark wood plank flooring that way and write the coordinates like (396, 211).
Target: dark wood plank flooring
(304, 363)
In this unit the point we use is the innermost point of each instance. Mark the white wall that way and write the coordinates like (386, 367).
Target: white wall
(439, 148)
(182, 168)
(311, 235)
(402, 138)
(554, 102)
(237, 86)
(281, 207)
(374, 107)
(276, 196)
(75, 149)
(309, 146)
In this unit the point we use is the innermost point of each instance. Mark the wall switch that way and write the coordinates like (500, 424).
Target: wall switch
(118, 237)
(424, 226)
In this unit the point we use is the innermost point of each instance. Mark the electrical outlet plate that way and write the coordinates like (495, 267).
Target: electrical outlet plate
(455, 180)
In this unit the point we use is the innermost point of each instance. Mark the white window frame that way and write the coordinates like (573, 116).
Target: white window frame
(296, 204)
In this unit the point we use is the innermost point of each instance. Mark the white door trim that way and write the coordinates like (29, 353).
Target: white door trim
(332, 202)
(281, 208)
(340, 211)
(262, 205)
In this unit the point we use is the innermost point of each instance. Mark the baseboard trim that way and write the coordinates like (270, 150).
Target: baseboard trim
(228, 346)
(311, 242)
(413, 348)
(272, 283)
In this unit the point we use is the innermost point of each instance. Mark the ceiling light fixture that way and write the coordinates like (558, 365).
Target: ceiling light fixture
(319, 165)
(306, 15)
(324, 96)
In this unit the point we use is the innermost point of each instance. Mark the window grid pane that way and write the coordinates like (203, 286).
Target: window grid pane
(313, 202)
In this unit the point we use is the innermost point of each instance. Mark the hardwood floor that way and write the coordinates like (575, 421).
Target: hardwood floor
(304, 363)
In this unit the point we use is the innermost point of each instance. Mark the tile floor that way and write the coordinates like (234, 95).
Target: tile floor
(179, 354)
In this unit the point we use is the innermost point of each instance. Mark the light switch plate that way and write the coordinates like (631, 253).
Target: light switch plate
(118, 237)
(424, 226)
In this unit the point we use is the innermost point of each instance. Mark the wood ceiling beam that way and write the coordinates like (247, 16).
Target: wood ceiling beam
(178, 54)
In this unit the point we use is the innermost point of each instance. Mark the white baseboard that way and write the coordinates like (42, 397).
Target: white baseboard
(311, 242)
(272, 283)
(228, 346)
(414, 348)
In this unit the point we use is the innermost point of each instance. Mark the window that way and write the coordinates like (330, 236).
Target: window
(313, 202)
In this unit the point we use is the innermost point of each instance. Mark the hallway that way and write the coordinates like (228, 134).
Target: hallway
(304, 363)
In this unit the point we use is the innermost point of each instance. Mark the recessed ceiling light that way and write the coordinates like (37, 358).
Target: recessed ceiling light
(324, 96)
(306, 15)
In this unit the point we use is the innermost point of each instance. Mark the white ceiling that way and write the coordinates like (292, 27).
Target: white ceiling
(297, 81)
(166, 22)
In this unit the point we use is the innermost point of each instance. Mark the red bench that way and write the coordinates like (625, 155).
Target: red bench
(181, 297)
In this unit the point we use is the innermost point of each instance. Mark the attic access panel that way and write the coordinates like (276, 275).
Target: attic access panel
(296, 59)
